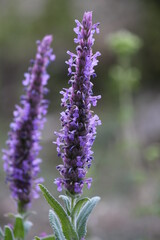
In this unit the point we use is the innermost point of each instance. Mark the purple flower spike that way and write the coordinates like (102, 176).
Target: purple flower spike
(78, 122)
(21, 163)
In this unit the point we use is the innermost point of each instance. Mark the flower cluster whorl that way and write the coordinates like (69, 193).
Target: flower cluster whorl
(21, 163)
(79, 124)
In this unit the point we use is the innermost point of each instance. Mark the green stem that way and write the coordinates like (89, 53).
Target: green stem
(21, 208)
(72, 204)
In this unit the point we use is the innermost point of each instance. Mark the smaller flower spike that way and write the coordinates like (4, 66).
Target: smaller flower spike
(20, 158)
(78, 122)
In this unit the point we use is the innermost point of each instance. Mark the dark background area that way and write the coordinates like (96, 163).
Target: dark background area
(128, 186)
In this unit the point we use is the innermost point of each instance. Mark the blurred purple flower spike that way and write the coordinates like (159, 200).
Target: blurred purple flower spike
(20, 158)
(78, 132)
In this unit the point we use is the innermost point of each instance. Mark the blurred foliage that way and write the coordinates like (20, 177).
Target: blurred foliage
(124, 43)
(152, 153)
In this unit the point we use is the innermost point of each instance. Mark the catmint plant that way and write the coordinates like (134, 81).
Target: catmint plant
(75, 139)
(78, 122)
(21, 162)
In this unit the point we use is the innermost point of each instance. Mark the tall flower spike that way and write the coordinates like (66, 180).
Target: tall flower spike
(21, 162)
(78, 132)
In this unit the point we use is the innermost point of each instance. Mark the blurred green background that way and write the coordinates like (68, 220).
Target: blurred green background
(126, 170)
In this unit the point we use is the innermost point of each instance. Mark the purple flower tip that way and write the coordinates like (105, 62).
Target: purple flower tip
(43, 234)
(21, 162)
(75, 140)
(48, 39)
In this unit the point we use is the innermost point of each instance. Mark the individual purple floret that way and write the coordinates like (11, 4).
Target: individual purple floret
(21, 163)
(79, 123)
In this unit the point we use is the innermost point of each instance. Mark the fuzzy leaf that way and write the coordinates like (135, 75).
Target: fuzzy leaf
(66, 203)
(8, 235)
(83, 216)
(37, 238)
(18, 228)
(55, 224)
(78, 206)
(1, 233)
(28, 213)
(51, 237)
(27, 226)
(67, 226)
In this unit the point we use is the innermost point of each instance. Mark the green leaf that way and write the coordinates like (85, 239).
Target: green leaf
(78, 206)
(67, 226)
(8, 235)
(18, 227)
(66, 203)
(55, 224)
(37, 238)
(83, 216)
(50, 237)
